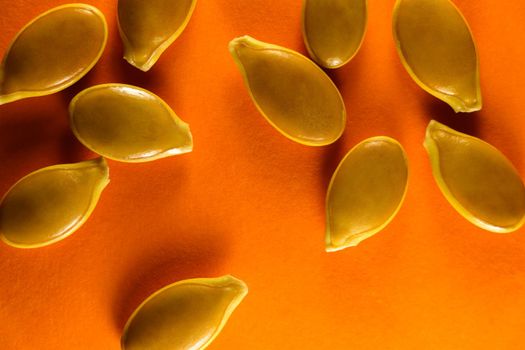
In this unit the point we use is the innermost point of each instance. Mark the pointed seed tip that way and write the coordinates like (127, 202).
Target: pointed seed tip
(143, 67)
(432, 124)
(243, 39)
(330, 248)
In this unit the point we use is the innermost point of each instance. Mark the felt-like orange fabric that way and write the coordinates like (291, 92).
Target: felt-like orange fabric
(249, 202)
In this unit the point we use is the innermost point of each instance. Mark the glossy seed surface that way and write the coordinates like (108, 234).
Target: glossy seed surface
(476, 178)
(290, 91)
(366, 192)
(51, 203)
(333, 30)
(128, 124)
(185, 315)
(438, 51)
(52, 52)
(148, 28)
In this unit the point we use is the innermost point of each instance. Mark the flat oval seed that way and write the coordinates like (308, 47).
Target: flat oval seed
(128, 124)
(333, 30)
(437, 49)
(49, 204)
(185, 315)
(366, 192)
(147, 28)
(291, 92)
(476, 179)
(52, 52)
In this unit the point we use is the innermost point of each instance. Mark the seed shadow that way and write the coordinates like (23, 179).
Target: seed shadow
(433, 107)
(347, 80)
(128, 74)
(72, 150)
(166, 264)
(87, 80)
(156, 76)
(330, 158)
(28, 138)
(23, 132)
(467, 123)
(347, 77)
(125, 72)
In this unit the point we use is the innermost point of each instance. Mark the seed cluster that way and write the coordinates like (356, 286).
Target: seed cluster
(294, 94)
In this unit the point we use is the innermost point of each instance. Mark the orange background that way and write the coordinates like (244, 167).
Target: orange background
(249, 202)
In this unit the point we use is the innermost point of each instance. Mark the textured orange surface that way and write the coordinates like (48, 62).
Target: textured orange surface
(249, 202)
